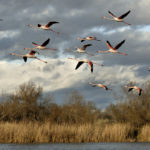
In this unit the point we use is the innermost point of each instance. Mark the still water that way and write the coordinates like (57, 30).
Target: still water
(89, 146)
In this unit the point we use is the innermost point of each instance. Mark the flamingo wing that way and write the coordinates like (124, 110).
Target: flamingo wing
(82, 40)
(140, 91)
(84, 46)
(130, 89)
(118, 45)
(112, 14)
(35, 44)
(109, 45)
(25, 59)
(91, 66)
(105, 87)
(32, 52)
(39, 25)
(51, 23)
(46, 42)
(79, 64)
(124, 15)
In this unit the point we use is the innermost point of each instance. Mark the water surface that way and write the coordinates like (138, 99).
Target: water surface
(85, 146)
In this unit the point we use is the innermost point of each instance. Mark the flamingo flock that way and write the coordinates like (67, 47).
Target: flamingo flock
(90, 63)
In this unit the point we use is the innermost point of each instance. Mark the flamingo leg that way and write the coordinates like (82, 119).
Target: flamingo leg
(53, 49)
(40, 60)
(126, 23)
(98, 64)
(124, 54)
(89, 54)
(54, 31)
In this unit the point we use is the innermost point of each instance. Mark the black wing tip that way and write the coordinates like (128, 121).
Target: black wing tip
(88, 45)
(53, 22)
(39, 25)
(33, 43)
(76, 67)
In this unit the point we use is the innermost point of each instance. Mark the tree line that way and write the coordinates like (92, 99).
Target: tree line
(28, 103)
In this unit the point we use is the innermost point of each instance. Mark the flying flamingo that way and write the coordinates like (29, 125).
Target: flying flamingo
(136, 88)
(113, 50)
(28, 55)
(80, 62)
(82, 49)
(89, 38)
(45, 27)
(41, 47)
(118, 19)
(99, 85)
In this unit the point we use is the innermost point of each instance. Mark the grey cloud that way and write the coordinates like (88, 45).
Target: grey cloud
(77, 18)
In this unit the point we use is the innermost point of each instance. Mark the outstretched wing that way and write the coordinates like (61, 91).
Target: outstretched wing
(109, 45)
(105, 87)
(130, 89)
(32, 52)
(112, 14)
(84, 46)
(118, 45)
(124, 15)
(140, 91)
(35, 44)
(25, 59)
(51, 23)
(91, 66)
(79, 64)
(46, 42)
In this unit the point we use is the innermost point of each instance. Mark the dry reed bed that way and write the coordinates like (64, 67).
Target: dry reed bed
(46, 132)
(144, 135)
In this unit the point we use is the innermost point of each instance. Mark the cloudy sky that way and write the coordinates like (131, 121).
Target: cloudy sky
(77, 18)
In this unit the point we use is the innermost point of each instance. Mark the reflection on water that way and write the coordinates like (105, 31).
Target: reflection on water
(87, 146)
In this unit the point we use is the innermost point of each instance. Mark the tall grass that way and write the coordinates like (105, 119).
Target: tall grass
(34, 132)
(144, 135)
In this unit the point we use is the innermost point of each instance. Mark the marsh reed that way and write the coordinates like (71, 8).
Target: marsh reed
(34, 132)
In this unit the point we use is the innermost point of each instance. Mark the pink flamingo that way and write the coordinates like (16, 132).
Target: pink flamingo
(45, 27)
(118, 19)
(99, 85)
(80, 62)
(89, 38)
(113, 50)
(135, 88)
(82, 49)
(28, 55)
(41, 47)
